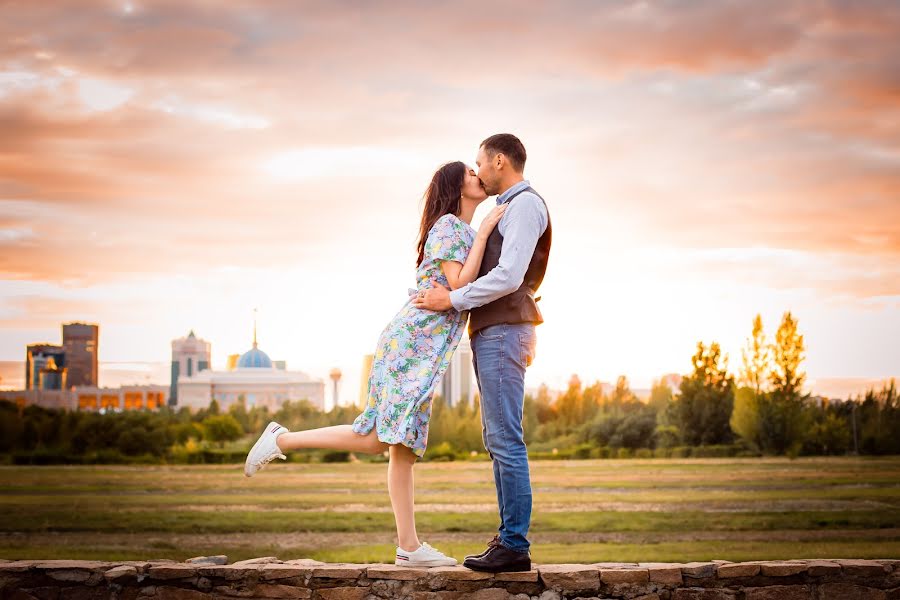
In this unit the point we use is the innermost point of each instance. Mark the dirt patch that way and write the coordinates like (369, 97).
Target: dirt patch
(562, 507)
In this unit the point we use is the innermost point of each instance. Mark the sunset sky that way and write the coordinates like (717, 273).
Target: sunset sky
(167, 166)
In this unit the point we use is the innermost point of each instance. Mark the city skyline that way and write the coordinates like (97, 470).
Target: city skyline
(172, 166)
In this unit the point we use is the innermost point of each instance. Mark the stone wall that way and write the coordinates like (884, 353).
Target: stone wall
(271, 578)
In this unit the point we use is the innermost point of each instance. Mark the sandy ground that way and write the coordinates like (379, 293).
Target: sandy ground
(712, 507)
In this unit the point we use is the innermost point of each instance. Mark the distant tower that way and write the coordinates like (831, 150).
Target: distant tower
(189, 355)
(80, 342)
(335, 378)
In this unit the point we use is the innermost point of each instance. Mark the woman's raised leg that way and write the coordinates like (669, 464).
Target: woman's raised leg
(401, 488)
(336, 437)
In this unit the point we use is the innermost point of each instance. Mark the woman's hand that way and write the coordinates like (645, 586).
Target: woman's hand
(491, 220)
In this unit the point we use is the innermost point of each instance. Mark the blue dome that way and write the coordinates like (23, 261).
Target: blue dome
(255, 359)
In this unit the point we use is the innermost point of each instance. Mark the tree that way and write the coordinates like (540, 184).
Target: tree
(781, 410)
(660, 396)
(757, 355)
(222, 428)
(745, 417)
(828, 433)
(703, 408)
(787, 354)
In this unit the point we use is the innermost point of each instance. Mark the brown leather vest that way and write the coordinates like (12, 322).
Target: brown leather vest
(520, 306)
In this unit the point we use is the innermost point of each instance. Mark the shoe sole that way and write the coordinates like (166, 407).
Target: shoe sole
(426, 563)
(484, 569)
(249, 454)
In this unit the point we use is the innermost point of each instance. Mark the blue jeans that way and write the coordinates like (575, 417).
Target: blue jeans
(501, 353)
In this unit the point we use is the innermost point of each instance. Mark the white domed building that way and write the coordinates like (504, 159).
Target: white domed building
(256, 379)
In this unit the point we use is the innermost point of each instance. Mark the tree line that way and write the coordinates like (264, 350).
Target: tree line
(760, 411)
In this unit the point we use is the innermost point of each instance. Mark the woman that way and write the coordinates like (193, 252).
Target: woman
(412, 354)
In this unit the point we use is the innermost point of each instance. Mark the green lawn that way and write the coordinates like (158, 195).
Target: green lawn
(584, 511)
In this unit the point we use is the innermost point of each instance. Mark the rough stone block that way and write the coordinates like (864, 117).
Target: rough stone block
(703, 594)
(227, 572)
(570, 577)
(633, 575)
(396, 572)
(339, 571)
(459, 573)
(218, 559)
(488, 594)
(779, 592)
(17, 566)
(698, 570)
(121, 574)
(271, 572)
(262, 560)
(741, 569)
(665, 573)
(522, 576)
(274, 590)
(863, 568)
(342, 593)
(38, 593)
(781, 568)
(172, 571)
(176, 593)
(849, 591)
(822, 568)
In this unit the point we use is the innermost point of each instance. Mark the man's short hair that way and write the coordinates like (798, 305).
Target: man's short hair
(509, 146)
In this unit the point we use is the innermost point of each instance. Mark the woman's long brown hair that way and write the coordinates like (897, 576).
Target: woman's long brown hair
(441, 197)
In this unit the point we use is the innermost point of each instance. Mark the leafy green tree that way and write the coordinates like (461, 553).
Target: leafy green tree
(828, 432)
(660, 396)
(222, 428)
(745, 418)
(703, 407)
(878, 420)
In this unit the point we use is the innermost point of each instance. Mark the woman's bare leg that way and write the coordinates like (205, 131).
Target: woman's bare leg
(336, 437)
(401, 489)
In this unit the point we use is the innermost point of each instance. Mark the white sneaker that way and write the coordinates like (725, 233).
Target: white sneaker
(265, 450)
(425, 556)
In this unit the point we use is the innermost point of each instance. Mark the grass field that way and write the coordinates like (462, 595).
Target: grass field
(584, 511)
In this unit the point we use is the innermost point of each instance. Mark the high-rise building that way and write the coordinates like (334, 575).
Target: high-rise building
(81, 342)
(36, 357)
(458, 383)
(51, 376)
(190, 355)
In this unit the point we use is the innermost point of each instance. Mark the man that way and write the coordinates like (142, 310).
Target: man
(502, 318)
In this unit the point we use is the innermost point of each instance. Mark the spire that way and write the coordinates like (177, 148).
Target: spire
(254, 328)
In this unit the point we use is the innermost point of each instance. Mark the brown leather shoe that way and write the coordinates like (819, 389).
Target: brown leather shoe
(500, 559)
(491, 544)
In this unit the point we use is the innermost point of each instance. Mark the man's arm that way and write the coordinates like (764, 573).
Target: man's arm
(521, 227)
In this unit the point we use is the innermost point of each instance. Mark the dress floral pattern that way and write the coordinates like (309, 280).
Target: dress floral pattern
(415, 348)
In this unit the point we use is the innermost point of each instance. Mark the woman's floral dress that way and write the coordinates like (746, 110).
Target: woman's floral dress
(414, 350)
